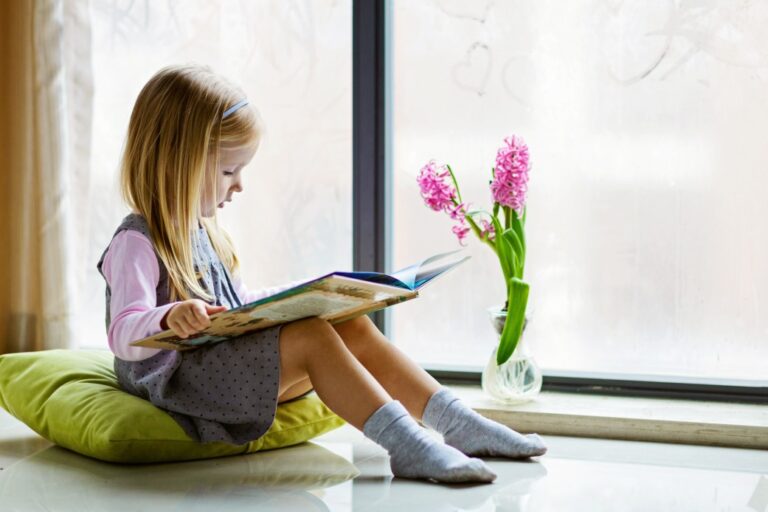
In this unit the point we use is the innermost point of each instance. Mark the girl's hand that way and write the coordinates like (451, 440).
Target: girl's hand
(189, 317)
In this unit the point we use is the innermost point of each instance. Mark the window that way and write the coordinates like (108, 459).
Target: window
(293, 219)
(647, 231)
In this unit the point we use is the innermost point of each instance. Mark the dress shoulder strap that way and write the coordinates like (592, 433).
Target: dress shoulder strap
(137, 222)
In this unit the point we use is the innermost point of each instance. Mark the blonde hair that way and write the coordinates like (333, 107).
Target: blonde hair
(171, 154)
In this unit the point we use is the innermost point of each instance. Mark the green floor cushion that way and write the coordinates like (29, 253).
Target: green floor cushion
(71, 398)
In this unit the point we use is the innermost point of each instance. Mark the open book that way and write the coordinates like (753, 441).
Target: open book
(335, 297)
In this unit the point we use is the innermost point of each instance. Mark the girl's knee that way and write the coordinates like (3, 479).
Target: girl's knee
(314, 328)
(306, 336)
(358, 334)
(356, 327)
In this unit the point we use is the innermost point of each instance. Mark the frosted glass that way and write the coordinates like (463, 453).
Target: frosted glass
(647, 221)
(294, 60)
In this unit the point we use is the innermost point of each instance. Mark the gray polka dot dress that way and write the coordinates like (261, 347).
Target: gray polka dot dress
(224, 392)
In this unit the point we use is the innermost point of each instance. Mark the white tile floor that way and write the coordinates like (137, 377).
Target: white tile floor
(343, 471)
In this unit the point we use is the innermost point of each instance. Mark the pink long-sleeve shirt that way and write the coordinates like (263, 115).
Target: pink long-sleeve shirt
(132, 272)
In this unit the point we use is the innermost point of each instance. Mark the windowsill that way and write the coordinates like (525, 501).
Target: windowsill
(629, 418)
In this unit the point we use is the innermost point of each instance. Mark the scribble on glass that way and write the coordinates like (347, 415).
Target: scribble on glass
(129, 18)
(461, 10)
(632, 54)
(472, 73)
(288, 43)
(727, 32)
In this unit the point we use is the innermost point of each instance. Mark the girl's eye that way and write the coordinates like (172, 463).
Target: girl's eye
(228, 173)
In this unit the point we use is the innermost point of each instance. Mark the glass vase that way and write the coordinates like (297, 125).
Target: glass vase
(519, 379)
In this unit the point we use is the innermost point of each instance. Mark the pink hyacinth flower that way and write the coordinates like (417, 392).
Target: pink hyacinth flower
(487, 228)
(510, 182)
(458, 212)
(438, 193)
(461, 231)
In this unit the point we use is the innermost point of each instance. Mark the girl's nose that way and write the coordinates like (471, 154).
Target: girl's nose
(237, 186)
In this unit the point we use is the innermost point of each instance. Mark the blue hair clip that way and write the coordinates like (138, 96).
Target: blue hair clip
(234, 108)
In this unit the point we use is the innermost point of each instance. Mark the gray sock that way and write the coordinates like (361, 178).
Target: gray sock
(414, 453)
(474, 434)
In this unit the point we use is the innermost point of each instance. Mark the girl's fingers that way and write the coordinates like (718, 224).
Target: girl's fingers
(198, 310)
(185, 326)
(203, 322)
(188, 329)
(193, 320)
(214, 309)
(202, 316)
(178, 329)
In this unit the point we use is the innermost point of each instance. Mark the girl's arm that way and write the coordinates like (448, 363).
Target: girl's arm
(131, 270)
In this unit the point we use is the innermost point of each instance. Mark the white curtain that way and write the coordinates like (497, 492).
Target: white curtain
(51, 116)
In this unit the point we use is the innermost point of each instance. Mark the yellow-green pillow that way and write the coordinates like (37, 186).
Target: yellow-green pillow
(71, 398)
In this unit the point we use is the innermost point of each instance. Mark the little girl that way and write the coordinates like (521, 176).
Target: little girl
(170, 265)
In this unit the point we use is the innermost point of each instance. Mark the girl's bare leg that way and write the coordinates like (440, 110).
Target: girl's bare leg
(298, 389)
(411, 385)
(403, 379)
(311, 350)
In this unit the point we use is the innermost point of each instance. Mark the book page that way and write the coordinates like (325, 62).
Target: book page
(368, 291)
(419, 274)
(315, 303)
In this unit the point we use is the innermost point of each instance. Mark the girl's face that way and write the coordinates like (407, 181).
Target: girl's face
(229, 179)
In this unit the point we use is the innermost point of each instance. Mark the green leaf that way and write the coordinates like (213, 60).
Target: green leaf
(517, 249)
(519, 227)
(513, 326)
(504, 251)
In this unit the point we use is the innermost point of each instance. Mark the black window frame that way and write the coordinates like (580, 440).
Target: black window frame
(372, 219)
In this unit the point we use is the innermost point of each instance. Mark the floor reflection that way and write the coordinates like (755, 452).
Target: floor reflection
(508, 494)
(57, 479)
(347, 473)
(13, 447)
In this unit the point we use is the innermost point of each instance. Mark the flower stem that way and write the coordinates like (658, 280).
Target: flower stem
(455, 183)
(476, 230)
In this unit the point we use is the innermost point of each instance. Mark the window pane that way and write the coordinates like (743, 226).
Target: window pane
(647, 230)
(294, 60)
